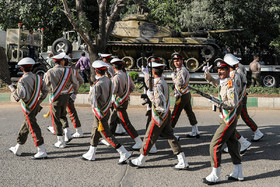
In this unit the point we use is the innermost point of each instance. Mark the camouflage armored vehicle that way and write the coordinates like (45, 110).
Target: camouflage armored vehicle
(138, 35)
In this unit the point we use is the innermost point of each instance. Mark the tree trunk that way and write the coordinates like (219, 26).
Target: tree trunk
(4, 70)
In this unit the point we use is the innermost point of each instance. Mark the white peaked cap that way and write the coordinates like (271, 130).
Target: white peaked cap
(99, 64)
(115, 60)
(230, 59)
(104, 55)
(61, 56)
(26, 61)
(156, 65)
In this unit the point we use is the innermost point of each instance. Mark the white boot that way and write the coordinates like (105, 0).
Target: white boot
(244, 144)
(153, 150)
(105, 142)
(124, 155)
(90, 155)
(78, 133)
(182, 164)
(60, 142)
(16, 150)
(41, 154)
(138, 143)
(195, 133)
(50, 128)
(257, 135)
(214, 177)
(138, 162)
(119, 130)
(237, 174)
(67, 135)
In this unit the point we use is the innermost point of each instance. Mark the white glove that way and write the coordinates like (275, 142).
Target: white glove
(207, 68)
(173, 76)
(150, 93)
(12, 87)
(145, 70)
(73, 96)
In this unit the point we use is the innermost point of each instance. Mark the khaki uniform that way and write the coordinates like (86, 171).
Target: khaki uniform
(58, 107)
(71, 106)
(120, 85)
(225, 132)
(165, 130)
(110, 71)
(181, 79)
(25, 91)
(255, 67)
(99, 95)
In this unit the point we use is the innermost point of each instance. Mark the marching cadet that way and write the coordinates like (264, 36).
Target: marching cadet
(31, 91)
(60, 79)
(258, 135)
(71, 108)
(231, 60)
(122, 87)
(160, 124)
(110, 73)
(180, 79)
(226, 131)
(100, 98)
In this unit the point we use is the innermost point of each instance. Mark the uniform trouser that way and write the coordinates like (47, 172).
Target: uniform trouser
(185, 104)
(224, 134)
(58, 112)
(149, 118)
(245, 116)
(73, 114)
(238, 112)
(153, 132)
(255, 79)
(105, 134)
(30, 124)
(121, 113)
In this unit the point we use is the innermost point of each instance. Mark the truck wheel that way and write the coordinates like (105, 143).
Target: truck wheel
(39, 71)
(61, 45)
(270, 80)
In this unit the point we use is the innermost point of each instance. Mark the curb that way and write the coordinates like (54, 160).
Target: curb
(135, 100)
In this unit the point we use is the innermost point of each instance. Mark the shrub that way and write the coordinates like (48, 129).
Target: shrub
(134, 75)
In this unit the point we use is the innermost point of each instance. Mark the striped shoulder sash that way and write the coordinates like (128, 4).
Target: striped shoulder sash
(76, 75)
(182, 91)
(117, 101)
(62, 82)
(30, 105)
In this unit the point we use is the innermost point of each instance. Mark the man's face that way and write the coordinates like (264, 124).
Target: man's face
(178, 62)
(223, 73)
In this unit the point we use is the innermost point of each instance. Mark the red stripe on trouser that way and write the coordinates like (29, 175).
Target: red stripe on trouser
(176, 109)
(126, 125)
(148, 140)
(237, 136)
(31, 129)
(52, 120)
(71, 115)
(246, 119)
(216, 147)
(103, 132)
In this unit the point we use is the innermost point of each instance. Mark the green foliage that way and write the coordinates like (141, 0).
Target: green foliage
(134, 75)
(84, 88)
(206, 88)
(263, 90)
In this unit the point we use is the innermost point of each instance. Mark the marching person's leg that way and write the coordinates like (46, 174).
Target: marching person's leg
(75, 119)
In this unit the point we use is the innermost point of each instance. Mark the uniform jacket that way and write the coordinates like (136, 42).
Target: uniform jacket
(53, 76)
(26, 86)
(181, 77)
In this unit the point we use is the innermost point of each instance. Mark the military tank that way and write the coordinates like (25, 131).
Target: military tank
(140, 38)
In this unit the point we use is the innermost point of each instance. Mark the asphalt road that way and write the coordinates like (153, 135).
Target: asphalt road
(261, 165)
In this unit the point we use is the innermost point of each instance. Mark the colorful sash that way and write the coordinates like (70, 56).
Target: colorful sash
(160, 118)
(182, 91)
(28, 107)
(76, 75)
(62, 82)
(101, 112)
(117, 101)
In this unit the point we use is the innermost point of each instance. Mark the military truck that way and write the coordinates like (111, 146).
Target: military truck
(16, 47)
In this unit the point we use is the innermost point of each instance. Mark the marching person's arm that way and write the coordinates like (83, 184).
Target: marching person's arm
(44, 92)
(20, 92)
(80, 79)
(131, 86)
(115, 82)
(211, 80)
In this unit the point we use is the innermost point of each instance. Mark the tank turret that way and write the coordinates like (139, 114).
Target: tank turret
(137, 34)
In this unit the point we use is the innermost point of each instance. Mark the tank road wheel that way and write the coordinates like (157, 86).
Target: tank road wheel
(129, 62)
(171, 64)
(163, 61)
(177, 50)
(115, 49)
(149, 49)
(191, 64)
(61, 45)
(139, 62)
(207, 52)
